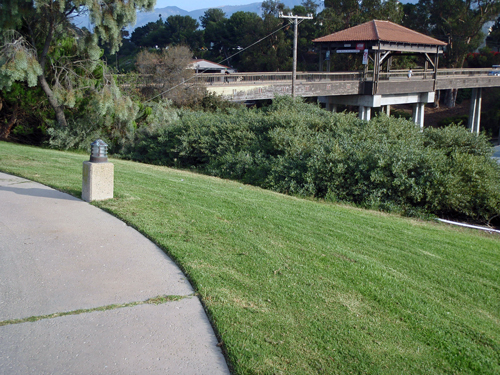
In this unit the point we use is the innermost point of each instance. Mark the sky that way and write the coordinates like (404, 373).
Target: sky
(190, 5)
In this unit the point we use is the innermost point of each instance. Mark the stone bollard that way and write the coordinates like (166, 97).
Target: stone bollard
(98, 174)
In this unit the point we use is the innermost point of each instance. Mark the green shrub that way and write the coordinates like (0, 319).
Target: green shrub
(460, 120)
(469, 177)
(298, 148)
(397, 113)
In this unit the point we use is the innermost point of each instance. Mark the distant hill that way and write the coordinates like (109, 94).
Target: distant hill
(144, 18)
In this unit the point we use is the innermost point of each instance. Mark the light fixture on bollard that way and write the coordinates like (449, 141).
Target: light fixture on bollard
(98, 174)
(98, 152)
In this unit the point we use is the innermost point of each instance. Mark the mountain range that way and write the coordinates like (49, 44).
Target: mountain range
(144, 18)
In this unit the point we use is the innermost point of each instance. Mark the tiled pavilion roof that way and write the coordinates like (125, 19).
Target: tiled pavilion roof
(376, 30)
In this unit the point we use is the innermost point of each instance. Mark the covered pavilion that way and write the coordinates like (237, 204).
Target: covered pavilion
(378, 42)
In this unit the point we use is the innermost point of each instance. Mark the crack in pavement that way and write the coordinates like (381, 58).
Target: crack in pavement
(158, 300)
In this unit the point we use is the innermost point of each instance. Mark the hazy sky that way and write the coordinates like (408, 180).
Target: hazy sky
(190, 5)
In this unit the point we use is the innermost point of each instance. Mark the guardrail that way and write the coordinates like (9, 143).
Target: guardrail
(464, 72)
(313, 77)
(256, 78)
(275, 77)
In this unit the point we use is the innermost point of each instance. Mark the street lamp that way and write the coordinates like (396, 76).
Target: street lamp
(98, 174)
(295, 32)
(98, 151)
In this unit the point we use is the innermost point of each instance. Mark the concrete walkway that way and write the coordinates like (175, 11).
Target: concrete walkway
(59, 254)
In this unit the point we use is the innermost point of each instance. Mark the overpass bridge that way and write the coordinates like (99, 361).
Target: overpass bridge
(357, 88)
(259, 86)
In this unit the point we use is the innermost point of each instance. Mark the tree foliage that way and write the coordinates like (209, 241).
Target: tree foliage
(150, 35)
(457, 22)
(176, 30)
(493, 39)
(41, 46)
(167, 69)
(339, 15)
(212, 15)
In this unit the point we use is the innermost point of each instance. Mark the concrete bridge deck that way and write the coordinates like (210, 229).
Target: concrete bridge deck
(258, 86)
(350, 88)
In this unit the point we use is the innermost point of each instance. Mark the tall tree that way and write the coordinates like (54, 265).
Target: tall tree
(307, 31)
(459, 22)
(342, 14)
(242, 29)
(150, 35)
(212, 15)
(216, 36)
(41, 46)
(167, 69)
(183, 30)
(273, 7)
(311, 6)
(493, 39)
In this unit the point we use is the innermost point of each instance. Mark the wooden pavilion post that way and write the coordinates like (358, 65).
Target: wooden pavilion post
(376, 70)
(436, 62)
(320, 57)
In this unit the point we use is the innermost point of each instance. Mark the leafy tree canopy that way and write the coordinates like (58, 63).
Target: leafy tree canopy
(342, 14)
(212, 15)
(493, 39)
(41, 46)
(167, 70)
(176, 30)
(457, 22)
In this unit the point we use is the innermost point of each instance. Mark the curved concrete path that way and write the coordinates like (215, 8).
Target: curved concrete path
(59, 254)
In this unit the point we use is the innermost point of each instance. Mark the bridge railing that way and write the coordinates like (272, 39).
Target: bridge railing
(313, 77)
(429, 74)
(275, 77)
(472, 72)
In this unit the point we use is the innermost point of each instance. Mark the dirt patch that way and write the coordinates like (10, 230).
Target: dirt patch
(434, 115)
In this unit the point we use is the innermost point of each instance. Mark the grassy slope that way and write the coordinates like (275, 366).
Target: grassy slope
(296, 286)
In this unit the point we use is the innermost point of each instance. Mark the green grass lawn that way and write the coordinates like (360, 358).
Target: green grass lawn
(296, 286)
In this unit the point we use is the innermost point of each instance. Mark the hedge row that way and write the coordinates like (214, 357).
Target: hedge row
(297, 148)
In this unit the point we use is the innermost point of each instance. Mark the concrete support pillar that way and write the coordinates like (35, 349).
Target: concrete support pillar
(475, 110)
(331, 107)
(365, 113)
(418, 114)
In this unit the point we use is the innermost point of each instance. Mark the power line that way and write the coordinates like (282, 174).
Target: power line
(227, 58)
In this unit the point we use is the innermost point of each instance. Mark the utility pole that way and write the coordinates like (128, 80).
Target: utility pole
(295, 32)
